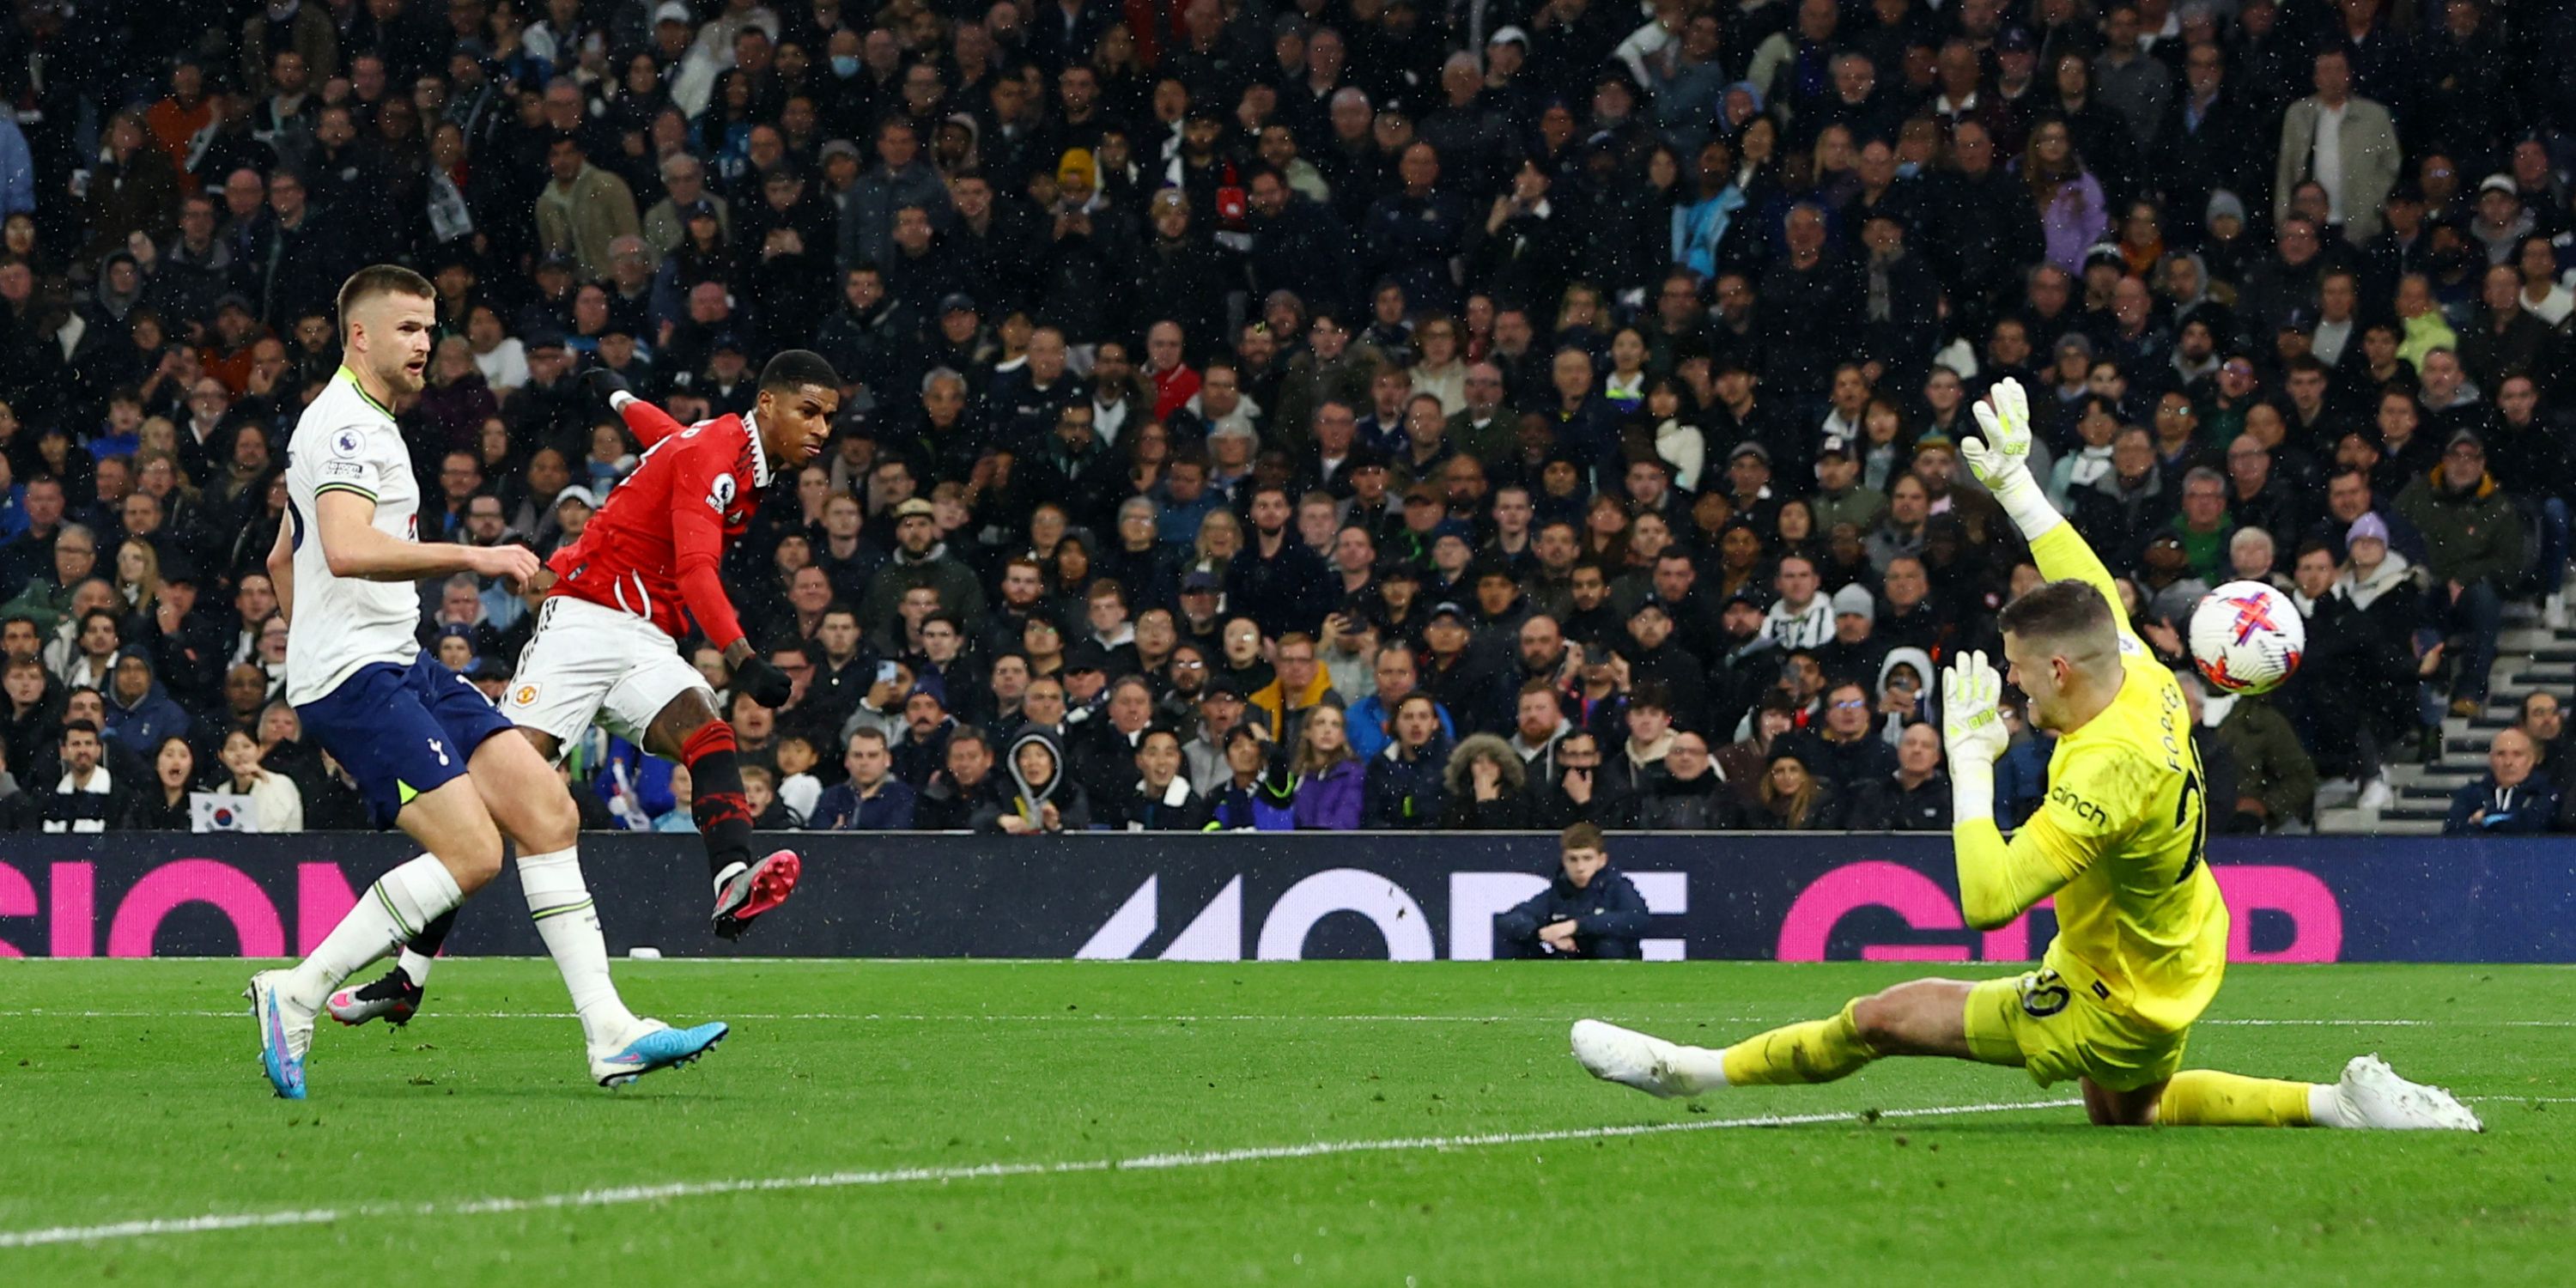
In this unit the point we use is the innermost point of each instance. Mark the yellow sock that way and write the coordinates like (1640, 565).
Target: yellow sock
(1815, 1051)
(2208, 1098)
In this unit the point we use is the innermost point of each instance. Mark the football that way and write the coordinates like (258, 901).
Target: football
(2247, 637)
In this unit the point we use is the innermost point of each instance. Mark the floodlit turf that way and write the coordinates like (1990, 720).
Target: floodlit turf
(129, 1091)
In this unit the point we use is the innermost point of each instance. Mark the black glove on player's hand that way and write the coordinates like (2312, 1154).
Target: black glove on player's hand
(602, 382)
(764, 682)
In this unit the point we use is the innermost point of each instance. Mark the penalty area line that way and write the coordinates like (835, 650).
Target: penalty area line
(211, 1223)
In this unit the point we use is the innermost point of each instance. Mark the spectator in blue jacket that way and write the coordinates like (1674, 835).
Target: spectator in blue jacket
(2510, 800)
(140, 713)
(1403, 791)
(873, 799)
(1371, 720)
(1590, 910)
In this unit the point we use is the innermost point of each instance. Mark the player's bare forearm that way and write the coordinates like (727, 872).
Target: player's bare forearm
(281, 569)
(738, 650)
(353, 546)
(370, 555)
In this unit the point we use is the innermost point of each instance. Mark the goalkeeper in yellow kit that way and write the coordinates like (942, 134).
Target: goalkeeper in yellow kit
(2142, 932)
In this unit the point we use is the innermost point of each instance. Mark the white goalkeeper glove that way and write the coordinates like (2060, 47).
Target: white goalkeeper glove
(2004, 415)
(2001, 458)
(1972, 726)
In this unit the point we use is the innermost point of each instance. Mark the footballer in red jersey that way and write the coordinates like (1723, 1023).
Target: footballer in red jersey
(645, 572)
(641, 576)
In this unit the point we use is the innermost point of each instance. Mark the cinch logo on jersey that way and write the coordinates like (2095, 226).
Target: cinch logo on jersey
(2082, 808)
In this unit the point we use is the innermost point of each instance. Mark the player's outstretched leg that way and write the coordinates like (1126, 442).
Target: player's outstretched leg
(1924, 1017)
(1814, 1051)
(2370, 1095)
(467, 852)
(687, 730)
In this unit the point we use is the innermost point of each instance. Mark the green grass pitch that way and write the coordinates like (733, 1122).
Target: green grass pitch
(1087, 1123)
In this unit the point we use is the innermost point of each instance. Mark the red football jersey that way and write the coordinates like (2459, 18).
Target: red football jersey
(656, 545)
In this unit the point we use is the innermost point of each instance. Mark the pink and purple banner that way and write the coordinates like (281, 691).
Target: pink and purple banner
(1274, 895)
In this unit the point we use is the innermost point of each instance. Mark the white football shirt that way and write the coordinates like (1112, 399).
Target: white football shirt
(347, 442)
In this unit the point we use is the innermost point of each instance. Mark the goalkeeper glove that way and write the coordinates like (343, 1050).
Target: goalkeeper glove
(2004, 450)
(2001, 459)
(1972, 724)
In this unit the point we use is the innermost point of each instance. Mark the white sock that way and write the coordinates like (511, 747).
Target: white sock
(388, 913)
(2327, 1109)
(560, 905)
(414, 966)
(1704, 1067)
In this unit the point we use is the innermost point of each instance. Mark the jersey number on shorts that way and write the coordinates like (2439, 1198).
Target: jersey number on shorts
(2043, 994)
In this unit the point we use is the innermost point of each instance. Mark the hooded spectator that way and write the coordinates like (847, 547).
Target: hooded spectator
(140, 712)
(1041, 797)
(1486, 785)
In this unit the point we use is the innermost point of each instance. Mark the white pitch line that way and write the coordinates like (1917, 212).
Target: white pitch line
(1103, 1018)
(215, 1222)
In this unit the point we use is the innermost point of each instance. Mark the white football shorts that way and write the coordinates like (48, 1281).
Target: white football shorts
(590, 664)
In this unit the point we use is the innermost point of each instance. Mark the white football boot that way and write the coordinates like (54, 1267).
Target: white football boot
(1650, 1064)
(2378, 1098)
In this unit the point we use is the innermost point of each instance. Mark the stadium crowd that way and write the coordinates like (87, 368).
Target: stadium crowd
(1322, 414)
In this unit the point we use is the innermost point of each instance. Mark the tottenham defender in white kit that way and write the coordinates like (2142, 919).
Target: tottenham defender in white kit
(430, 753)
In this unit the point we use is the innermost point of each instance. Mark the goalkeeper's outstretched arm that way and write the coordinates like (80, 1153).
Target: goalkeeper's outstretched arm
(2002, 463)
(1999, 881)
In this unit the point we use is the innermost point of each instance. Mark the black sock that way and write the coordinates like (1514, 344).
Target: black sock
(717, 803)
(433, 936)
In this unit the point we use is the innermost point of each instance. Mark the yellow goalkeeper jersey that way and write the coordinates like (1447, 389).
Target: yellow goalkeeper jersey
(2142, 930)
